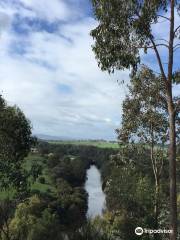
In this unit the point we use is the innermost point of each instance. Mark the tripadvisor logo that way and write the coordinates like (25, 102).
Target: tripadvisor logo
(139, 231)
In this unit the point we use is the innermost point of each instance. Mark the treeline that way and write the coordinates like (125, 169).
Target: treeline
(89, 154)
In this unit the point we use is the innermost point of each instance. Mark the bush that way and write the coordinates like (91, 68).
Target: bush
(42, 180)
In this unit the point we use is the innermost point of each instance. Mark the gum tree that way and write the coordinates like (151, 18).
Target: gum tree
(15, 144)
(145, 119)
(125, 27)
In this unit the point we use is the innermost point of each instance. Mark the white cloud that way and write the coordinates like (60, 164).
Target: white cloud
(50, 10)
(33, 81)
(4, 22)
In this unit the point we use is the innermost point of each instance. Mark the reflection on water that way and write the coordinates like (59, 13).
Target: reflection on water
(93, 186)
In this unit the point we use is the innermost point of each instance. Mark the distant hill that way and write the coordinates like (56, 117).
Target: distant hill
(89, 142)
(53, 138)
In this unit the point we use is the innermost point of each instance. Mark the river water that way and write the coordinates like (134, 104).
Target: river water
(96, 200)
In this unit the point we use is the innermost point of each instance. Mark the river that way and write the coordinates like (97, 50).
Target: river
(96, 200)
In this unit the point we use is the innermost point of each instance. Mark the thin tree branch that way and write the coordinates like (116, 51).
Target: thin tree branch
(176, 29)
(162, 44)
(152, 47)
(171, 46)
(162, 39)
(177, 45)
(176, 49)
(157, 54)
(159, 59)
(163, 17)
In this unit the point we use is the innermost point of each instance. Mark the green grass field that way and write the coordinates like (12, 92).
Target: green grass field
(101, 144)
(36, 158)
(36, 186)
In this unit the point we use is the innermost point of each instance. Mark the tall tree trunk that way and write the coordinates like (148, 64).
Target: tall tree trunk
(156, 210)
(172, 131)
(156, 207)
(172, 174)
(156, 178)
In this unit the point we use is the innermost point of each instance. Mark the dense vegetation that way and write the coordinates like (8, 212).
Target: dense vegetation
(56, 206)
(128, 181)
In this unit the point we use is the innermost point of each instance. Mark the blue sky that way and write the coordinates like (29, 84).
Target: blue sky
(48, 69)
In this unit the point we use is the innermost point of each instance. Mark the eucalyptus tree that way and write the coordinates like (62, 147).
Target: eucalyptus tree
(15, 144)
(145, 119)
(124, 29)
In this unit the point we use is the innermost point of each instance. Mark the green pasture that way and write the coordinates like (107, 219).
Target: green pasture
(100, 144)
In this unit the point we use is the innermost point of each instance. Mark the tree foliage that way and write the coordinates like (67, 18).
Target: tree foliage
(145, 110)
(15, 144)
(124, 28)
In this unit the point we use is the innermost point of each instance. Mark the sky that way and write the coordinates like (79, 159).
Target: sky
(48, 69)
